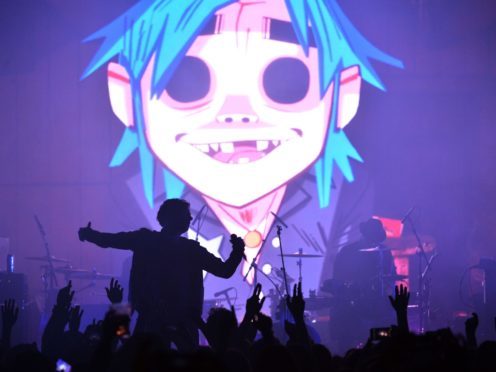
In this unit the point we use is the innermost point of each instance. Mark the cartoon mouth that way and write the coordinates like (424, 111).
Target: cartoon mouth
(239, 152)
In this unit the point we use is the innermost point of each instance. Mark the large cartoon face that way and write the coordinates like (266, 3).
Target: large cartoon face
(242, 115)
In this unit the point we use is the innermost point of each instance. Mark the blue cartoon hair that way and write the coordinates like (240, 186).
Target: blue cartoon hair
(167, 28)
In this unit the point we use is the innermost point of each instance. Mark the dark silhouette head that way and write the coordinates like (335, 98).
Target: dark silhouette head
(174, 216)
(372, 231)
(221, 323)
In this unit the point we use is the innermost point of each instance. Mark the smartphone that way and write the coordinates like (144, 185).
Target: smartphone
(121, 318)
(63, 366)
(377, 334)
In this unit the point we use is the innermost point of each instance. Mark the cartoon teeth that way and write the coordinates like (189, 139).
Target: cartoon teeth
(227, 147)
(202, 148)
(262, 145)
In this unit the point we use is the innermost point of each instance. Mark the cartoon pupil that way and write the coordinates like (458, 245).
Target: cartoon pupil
(236, 98)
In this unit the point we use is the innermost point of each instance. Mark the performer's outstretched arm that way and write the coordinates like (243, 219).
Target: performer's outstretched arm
(227, 268)
(121, 240)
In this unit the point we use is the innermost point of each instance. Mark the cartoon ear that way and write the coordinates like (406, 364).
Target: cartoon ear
(120, 93)
(349, 95)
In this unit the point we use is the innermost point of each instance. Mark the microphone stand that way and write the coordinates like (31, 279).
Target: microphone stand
(199, 221)
(253, 264)
(283, 268)
(226, 295)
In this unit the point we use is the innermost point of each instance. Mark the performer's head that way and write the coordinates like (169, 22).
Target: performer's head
(233, 98)
(373, 231)
(174, 215)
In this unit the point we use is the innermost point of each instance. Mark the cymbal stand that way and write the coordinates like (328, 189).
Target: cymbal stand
(253, 264)
(48, 276)
(299, 263)
(49, 272)
(382, 283)
(423, 302)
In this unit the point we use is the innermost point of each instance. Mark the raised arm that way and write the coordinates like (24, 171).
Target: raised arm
(400, 306)
(121, 240)
(471, 325)
(227, 268)
(10, 312)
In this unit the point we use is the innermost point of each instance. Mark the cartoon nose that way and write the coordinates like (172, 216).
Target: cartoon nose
(237, 109)
(237, 118)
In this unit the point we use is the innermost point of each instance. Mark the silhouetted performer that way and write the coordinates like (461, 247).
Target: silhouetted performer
(363, 275)
(166, 281)
(362, 262)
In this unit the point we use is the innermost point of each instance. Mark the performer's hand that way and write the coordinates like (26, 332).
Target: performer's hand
(400, 300)
(238, 244)
(83, 232)
(114, 291)
(254, 303)
(75, 315)
(296, 304)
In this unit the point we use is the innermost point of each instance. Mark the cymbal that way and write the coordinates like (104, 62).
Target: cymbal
(82, 274)
(301, 255)
(376, 249)
(47, 258)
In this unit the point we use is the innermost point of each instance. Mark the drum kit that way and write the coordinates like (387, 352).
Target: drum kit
(341, 291)
(49, 270)
(49, 265)
(69, 272)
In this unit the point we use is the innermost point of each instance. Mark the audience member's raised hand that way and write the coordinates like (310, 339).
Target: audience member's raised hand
(400, 305)
(65, 295)
(93, 331)
(114, 291)
(263, 323)
(254, 304)
(296, 303)
(83, 232)
(401, 298)
(75, 315)
(10, 312)
(471, 325)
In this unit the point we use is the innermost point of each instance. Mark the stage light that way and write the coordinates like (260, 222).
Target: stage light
(267, 269)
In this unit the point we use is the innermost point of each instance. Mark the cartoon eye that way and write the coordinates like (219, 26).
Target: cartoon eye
(190, 82)
(286, 80)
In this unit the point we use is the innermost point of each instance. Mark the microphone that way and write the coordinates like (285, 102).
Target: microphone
(407, 214)
(223, 292)
(197, 217)
(279, 219)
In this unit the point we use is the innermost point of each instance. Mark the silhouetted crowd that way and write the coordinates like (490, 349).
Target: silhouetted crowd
(109, 345)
